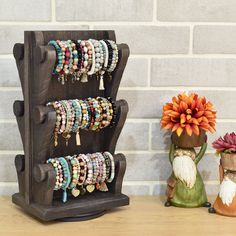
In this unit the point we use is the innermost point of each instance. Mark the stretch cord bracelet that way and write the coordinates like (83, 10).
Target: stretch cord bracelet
(84, 64)
(92, 58)
(59, 62)
(78, 119)
(58, 169)
(104, 67)
(69, 46)
(67, 177)
(85, 114)
(61, 77)
(115, 56)
(95, 167)
(98, 55)
(110, 54)
(89, 180)
(58, 121)
(112, 113)
(112, 173)
(101, 185)
(83, 169)
(75, 175)
(80, 62)
(75, 60)
(66, 134)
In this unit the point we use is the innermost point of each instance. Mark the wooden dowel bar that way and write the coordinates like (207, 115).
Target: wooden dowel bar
(18, 108)
(40, 172)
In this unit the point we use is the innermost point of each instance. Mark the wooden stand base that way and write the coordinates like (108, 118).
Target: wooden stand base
(83, 217)
(80, 208)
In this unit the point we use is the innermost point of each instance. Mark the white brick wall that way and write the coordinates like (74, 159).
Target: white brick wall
(176, 45)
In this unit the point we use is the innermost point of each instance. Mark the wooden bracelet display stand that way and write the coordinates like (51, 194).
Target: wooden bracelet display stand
(35, 62)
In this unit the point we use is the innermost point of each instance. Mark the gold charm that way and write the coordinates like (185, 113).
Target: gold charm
(102, 187)
(90, 188)
(66, 136)
(75, 192)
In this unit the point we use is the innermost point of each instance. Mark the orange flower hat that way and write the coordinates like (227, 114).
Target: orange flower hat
(190, 113)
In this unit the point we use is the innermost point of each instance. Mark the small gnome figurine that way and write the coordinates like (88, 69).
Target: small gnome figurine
(225, 203)
(185, 187)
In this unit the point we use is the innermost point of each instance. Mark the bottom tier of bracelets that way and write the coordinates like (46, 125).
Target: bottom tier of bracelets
(83, 173)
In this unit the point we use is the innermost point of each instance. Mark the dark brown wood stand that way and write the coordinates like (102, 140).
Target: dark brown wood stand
(35, 62)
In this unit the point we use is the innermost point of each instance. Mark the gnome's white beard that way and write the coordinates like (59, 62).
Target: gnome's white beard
(227, 191)
(185, 170)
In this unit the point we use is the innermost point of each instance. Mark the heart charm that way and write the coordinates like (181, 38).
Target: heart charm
(75, 192)
(90, 188)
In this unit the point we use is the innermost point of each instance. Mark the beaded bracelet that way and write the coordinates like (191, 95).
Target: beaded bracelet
(112, 172)
(83, 169)
(104, 67)
(92, 57)
(59, 64)
(66, 134)
(67, 177)
(115, 56)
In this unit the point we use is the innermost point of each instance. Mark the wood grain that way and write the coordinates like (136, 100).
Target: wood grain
(145, 216)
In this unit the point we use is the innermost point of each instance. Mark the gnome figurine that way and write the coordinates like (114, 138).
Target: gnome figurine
(225, 203)
(188, 117)
(185, 187)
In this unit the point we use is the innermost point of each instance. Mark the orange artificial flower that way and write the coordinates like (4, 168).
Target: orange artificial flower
(190, 113)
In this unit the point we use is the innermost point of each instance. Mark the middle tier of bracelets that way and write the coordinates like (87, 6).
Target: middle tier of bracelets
(89, 114)
(78, 59)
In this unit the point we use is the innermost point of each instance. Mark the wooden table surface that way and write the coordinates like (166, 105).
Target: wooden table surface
(145, 216)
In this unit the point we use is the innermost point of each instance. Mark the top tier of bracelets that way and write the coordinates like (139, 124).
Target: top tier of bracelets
(76, 60)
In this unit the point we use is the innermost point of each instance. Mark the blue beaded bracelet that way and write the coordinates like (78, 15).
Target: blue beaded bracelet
(67, 177)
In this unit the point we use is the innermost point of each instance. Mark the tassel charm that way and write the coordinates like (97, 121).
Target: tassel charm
(64, 197)
(101, 84)
(84, 78)
(78, 138)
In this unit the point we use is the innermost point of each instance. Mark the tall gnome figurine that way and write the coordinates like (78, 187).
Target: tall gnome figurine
(189, 117)
(225, 203)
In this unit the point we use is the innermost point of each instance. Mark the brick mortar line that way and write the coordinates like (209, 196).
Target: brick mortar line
(126, 152)
(135, 120)
(122, 23)
(184, 56)
(177, 88)
(163, 56)
(151, 88)
(131, 183)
